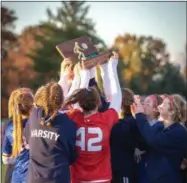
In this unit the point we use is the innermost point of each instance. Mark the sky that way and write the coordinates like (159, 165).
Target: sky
(164, 20)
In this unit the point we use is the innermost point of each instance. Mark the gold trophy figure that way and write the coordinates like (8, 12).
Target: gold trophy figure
(78, 50)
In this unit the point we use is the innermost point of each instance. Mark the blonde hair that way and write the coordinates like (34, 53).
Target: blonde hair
(49, 98)
(20, 103)
(179, 108)
(11, 99)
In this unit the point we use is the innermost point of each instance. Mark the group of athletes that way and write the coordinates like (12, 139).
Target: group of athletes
(71, 132)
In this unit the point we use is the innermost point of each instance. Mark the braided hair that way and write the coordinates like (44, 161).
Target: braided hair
(49, 99)
(20, 104)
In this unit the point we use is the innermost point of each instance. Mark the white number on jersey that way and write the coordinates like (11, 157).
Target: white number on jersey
(91, 141)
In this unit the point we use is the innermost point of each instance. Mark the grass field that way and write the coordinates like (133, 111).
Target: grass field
(3, 167)
(3, 172)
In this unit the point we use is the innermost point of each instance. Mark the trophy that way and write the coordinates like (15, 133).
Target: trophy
(82, 49)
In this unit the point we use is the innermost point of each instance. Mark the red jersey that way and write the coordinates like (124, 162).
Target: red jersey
(93, 145)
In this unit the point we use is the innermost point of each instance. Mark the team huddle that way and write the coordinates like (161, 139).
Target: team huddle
(71, 132)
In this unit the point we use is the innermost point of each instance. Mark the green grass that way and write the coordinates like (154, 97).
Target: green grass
(3, 172)
(5, 120)
(3, 167)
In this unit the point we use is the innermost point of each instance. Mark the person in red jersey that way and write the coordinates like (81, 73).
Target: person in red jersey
(93, 128)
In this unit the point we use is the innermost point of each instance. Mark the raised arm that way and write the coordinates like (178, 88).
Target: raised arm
(64, 77)
(84, 82)
(116, 95)
(106, 80)
(85, 77)
(76, 80)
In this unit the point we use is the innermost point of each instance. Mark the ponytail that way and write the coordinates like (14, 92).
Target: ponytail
(20, 103)
(179, 107)
(17, 132)
(183, 113)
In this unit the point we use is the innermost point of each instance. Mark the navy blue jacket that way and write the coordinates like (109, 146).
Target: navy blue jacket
(52, 149)
(124, 140)
(166, 150)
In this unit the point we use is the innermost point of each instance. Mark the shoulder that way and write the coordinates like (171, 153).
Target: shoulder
(181, 129)
(126, 122)
(35, 114)
(110, 113)
(74, 113)
(65, 120)
(9, 125)
(177, 127)
(178, 133)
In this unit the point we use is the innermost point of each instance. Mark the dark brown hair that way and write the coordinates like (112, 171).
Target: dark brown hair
(88, 99)
(50, 99)
(127, 100)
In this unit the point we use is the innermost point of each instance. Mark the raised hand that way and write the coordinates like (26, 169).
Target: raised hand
(64, 65)
(77, 69)
(138, 105)
(115, 55)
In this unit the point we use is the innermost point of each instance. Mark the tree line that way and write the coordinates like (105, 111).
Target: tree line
(31, 59)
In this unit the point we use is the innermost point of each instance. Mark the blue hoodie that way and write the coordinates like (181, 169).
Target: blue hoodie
(166, 150)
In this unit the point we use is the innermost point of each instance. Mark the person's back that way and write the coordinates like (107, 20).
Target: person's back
(93, 145)
(93, 128)
(122, 149)
(51, 136)
(51, 148)
(14, 150)
(123, 141)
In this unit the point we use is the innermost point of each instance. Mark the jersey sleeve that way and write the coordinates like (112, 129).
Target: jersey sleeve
(7, 146)
(110, 116)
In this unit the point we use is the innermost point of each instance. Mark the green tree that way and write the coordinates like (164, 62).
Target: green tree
(69, 22)
(8, 41)
(8, 19)
(145, 66)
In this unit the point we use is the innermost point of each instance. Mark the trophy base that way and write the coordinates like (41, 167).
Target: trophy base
(97, 60)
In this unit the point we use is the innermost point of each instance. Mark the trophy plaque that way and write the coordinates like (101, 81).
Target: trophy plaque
(77, 49)
(82, 49)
